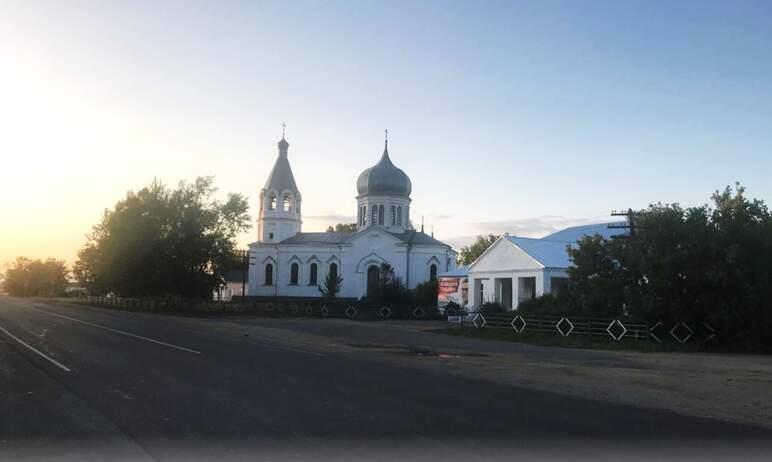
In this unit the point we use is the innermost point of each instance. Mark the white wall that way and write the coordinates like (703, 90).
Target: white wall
(371, 247)
(505, 260)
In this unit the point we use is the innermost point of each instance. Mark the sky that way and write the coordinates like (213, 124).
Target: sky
(508, 116)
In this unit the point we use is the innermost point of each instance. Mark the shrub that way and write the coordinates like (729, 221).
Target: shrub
(548, 305)
(492, 308)
(426, 294)
(454, 309)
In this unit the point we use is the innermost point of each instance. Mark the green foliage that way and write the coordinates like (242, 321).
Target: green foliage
(492, 308)
(164, 242)
(32, 278)
(391, 289)
(471, 252)
(331, 286)
(697, 265)
(426, 293)
(550, 305)
(343, 228)
(454, 309)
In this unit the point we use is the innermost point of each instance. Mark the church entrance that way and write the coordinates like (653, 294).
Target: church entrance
(373, 279)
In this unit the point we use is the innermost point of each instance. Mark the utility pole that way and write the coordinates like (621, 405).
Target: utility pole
(631, 221)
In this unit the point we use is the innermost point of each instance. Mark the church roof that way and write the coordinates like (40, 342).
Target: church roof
(281, 177)
(459, 272)
(318, 238)
(412, 237)
(384, 178)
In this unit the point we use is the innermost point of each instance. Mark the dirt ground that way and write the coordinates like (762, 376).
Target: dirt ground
(736, 388)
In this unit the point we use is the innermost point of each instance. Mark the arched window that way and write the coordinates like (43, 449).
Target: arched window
(312, 274)
(286, 203)
(374, 221)
(334, 270)
(380, 215)
(294, 270)
(393, 215)
(433, 271)
(269, 274)
(272, 202)
(399, 215)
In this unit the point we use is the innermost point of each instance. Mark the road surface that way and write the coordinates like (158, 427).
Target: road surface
(89, 383)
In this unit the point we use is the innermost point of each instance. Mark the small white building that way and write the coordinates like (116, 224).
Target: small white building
(514, 268)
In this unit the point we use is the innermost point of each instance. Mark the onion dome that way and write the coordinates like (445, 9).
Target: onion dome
(384, 178)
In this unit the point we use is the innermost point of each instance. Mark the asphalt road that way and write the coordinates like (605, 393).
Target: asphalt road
(89, 383)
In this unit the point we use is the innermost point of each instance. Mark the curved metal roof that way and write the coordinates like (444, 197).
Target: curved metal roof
(384, 178)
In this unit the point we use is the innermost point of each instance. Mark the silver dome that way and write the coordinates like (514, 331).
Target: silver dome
(384, 178)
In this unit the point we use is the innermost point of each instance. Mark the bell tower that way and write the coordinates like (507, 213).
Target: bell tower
(280, 201)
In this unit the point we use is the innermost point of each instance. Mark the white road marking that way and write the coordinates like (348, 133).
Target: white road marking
(50, 359)
(122, 332)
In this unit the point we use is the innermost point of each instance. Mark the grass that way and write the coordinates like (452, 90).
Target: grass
(572, 341)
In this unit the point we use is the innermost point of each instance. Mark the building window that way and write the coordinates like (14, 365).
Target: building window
(312, 274)
(433, 272)
(269, 274)
(334, 270)
(294, 270)
(374, 221)
(287, 203)
(380, 215)
(393, 215)
(272, 202)
(399, 215)
(270, 236)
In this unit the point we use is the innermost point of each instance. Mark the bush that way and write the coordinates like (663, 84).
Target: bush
(492, 308)
(454, 309)
(548, 305)
(426, 294)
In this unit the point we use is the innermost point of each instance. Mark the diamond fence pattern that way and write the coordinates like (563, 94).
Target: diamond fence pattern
(615, 329)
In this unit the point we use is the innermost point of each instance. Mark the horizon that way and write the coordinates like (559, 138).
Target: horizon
(516, 117)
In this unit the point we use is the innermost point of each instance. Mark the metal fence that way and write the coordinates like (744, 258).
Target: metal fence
(360, 309)
(616, 329)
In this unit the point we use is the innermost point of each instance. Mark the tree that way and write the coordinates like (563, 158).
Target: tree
(426, 293)
(343, 228)
(164, 242)
(331, 286)
(391, 288)
(706, 266)
(31, 278)
(472, 252)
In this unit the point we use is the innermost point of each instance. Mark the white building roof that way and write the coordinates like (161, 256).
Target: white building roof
(552, 251)
(576, 233)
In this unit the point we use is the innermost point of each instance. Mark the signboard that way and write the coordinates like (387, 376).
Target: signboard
(452, 289)
(448, 285)
(456, 319)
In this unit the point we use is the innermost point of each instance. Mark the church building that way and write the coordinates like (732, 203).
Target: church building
(287, 262)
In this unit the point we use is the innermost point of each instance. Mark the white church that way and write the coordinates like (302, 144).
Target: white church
(287, 262)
